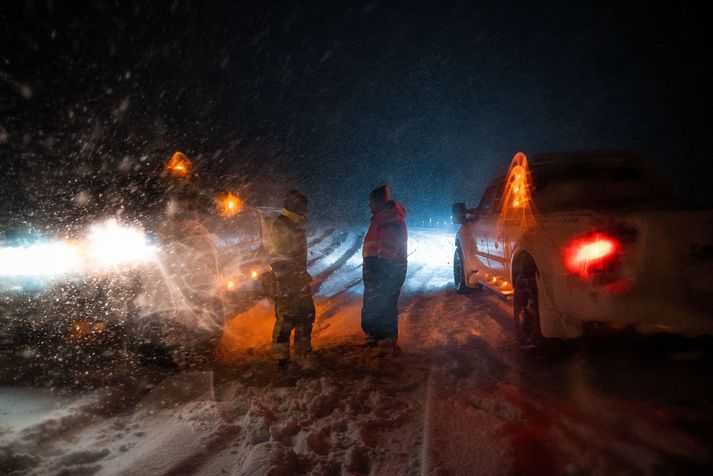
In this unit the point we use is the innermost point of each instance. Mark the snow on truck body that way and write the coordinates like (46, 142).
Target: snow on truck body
(589, 238)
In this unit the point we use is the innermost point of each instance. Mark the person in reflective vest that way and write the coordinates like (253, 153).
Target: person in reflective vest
(294, 307)
(385, 262)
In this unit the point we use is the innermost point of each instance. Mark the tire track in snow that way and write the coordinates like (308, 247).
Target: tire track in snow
(316, 239)
(455, 349)
(347, 287)
(413, 328)
(326, 273)
(222, 439)
(322, 252)
(423, 459)
(487, 307)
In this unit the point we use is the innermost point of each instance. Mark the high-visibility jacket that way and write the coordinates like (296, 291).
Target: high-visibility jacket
(387, 237)
(288, 253)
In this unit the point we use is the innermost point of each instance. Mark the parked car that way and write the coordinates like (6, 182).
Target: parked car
(588, 239)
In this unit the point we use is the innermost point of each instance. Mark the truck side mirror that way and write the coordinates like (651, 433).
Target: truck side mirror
(459, 213)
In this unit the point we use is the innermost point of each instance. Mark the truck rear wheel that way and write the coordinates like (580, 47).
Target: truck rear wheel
(526, 308)
(459, 271)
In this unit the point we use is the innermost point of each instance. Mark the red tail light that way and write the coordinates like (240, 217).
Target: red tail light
(591, 253)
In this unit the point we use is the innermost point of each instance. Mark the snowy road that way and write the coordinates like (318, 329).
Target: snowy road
(462, 398)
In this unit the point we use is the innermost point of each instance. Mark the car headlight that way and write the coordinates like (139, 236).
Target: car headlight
(110, 244)
(40, 260)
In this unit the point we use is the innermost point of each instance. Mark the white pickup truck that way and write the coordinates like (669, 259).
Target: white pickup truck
(588, 240)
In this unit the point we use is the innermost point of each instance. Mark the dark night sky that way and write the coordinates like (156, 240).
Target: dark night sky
(336, 98)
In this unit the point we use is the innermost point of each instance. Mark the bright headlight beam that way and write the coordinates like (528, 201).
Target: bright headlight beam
(41, 259)
(110, 244)
(430, 248)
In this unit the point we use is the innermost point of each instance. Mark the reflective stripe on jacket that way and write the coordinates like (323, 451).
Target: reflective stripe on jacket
(387, 237)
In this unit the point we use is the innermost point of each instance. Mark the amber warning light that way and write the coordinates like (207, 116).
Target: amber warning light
(179, 165)
(591, 253)
(517, 204)
(230, 205)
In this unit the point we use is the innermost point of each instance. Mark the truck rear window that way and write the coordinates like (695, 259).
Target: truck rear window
(596, 186)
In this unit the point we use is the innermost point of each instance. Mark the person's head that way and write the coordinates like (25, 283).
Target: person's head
(296, 203)
(379, 197)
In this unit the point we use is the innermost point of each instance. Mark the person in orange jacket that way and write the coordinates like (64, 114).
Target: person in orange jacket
(385, 262)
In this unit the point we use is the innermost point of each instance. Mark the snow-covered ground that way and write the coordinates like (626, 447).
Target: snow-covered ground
(463, 398)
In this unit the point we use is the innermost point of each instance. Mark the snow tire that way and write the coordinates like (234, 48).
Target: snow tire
(526, 309)
(459, 272)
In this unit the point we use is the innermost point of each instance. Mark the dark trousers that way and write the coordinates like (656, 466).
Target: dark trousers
(293, 312)
(383, 280)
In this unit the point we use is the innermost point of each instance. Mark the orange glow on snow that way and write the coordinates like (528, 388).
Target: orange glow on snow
(250, 332)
